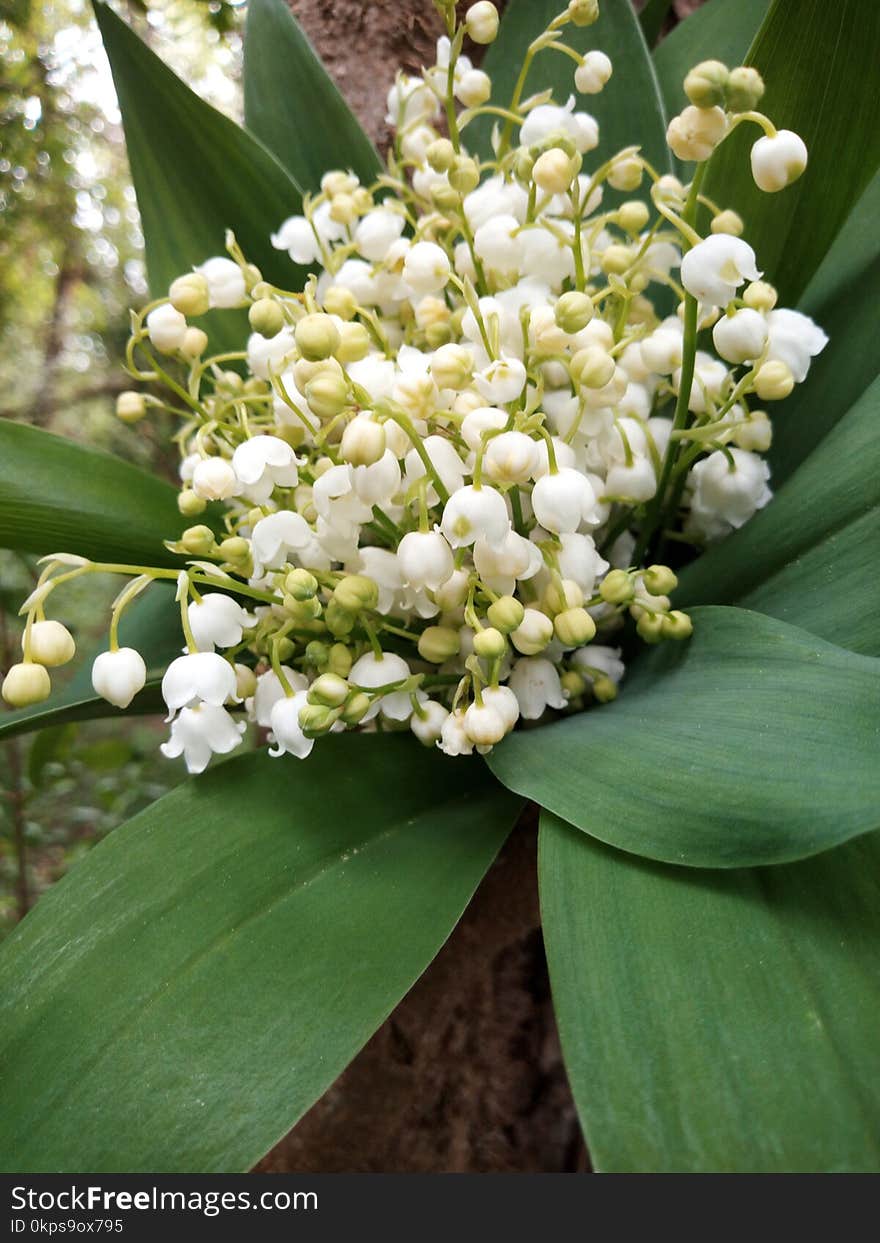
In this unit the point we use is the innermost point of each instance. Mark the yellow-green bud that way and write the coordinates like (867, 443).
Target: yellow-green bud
(440, 155)
(339, 660)
(633, 216)
(356, 592)
(574, 311)
(583, 12)
(553, 171)
(704, 85)
(650, 627)
(190, 504)
(316, 337)
(574, 627)
(490, 643)
(343, 209)
(563, 594)
(659, 580)
(481, 21)
(26, 684)
(317, 719)
(743, 89)
(194, 343)
(354, 343)
(303, 612)
(285, 648)
(363, 442)
(615, 259)
(523, 165)
(464, 175)
(604, 689)
(677, 625)
(760, 296)
(198, 540)
(728, 222)
(189, 294)
(327, 395)
(756, 433)
(616, 587)
(266, 317)
(340, 301)
(356, 708)
(339, 621)
(437, 335)
(774, 381)
(452, 367)
(592, 367)
(231, 382)
(437, 644)
(50, 644)
(245, 681)
(330, 690)
(573, 683)
(444, 197)
(130, 406)
(235, 549)
(301, 585)
(626, 174)
(505, 614)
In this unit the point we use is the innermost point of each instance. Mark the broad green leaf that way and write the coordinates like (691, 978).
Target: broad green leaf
(838, 377)
(73, 704)
(719, 30)
(818, 61)
(206, 972)
(196, 174)
(805, 558)
(721, 1022)
(59, 496)
(855, 250)
(701, 760)
(292, 104)
(629, 110)
(651, 19)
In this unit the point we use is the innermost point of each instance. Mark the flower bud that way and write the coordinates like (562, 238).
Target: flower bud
(50, 644)
(464, 176)
(245, 681)
(774, 381)
(704, 85)
(676, 625)
(26, 684)
(213, 479)
(626, 174)
(563, 594)
(481, 21)
(194, 343)
(616, 587)
(574, 627)
(592, 73)
(659, 580)
(533, 634)
(650, 627)
(573, 684)
(760, 296)
(130, 406)
(198, 540)
(604, 689)
(633, 216)
(340, 301)
(356, 592)
(452, 367)
(330, 690)
(778, 161)
(695, 133)
(583, 12)
(592, 367)
(354, 343)
(316, 337)
(506, 614)
(441, 155)
(118, 676)
(523, 165)
(166, 328)
(301, 585)
(356, 708)
(553, 171)
(303, 612)
(728, 222)
(343, 209)
(473, 88)
(190, 504)
(743, 89)
(490, 643)
(266, 317)
(327, 394)
(337, 182)
(317, 719)
(437, 644)
(189, 294)
(339, 660)
(339, 621)
(236, 550)
(363, 442)
(573, 311)
(756, 434)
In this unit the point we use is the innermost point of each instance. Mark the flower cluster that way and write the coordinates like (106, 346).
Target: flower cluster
(447, 468)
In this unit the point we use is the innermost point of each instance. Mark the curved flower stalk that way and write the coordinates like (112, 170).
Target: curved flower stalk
(448, 465)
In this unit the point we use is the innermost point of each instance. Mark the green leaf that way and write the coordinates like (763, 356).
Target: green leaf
(718, 30)
(803, 558)
(855, 250)
(701, 760)
(628, 110)
(196, 174)
(721, 1022)
(818, 61)
(651, 19)
(292, 104)
(206, 972)
(59, 496)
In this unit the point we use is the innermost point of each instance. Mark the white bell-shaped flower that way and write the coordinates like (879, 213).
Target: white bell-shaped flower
(495, 197)
(425, 560)
(269, 354)
(199, 677)
(794, 340)
(200, 732)
(427, 724)
(118, 676)
(591, 76)
(426, 267)
(501, 381)
(264, 463)
(484, 419)
(661, 351)
(446, 463)
(536, 685)
(511, 457)
(740, 337)
(714, 269)
(278, 535)
(548, 119)
(217, 621)
(371, 671)
(473, 513)
(484, 724)
(578, 559)
(166, 328)
(269, 690)
(497, 243)
(378, 483)
(726, 494)
(778, 161)
(213, 479)
(501, 565)
(634, 482)
(225, 279)
(297, 237)
(454, 738)
(563, 501)
(505, 703)
(286, 731)
(377, 231)
(595, 660)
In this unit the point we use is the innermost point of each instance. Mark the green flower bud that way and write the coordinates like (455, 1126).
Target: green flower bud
(339, 621)
(728, 222)
(26, 684)
(440, 155)
(490, 643)
(245, 681)
(194, 343)
(592, 367)
(465, 175)
(354, 343)
(704, 85)
(340, 301)
(189, 504)
(616, 587)
(774, 381)
(317, 719)
(50, 644)
(130, 406)
(317, 654)
(574, 627)
(563, 594)
(444, 197)
(760, 296)
(437, 644)
(505, 614)
(574, 311)
(316, 336)
(301, 585)
(339, 660)
(677, 625)
(235, 549)
(198, 540)
(650, 627)
(330, 690)
(189, 294)
(363, 442)
(523, 165)
(604, 689)
(252, 276)
(266, 317)
(573, 683)
(554, 171)
(302, 611)
(743, 89)
(659, 580)
(356, 708)
(327, 395)
(616, 259)
(583, 12)
(356, 592)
